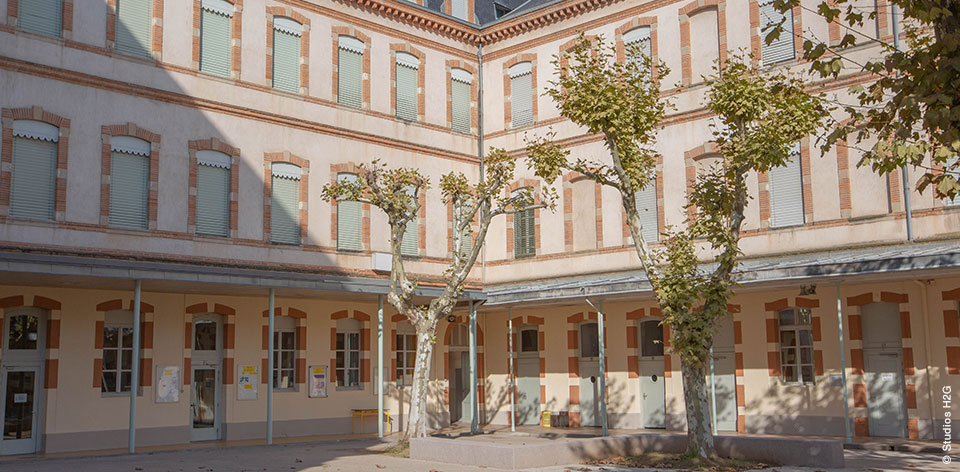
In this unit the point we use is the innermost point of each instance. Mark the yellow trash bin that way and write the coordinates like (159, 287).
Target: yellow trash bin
(545, 419)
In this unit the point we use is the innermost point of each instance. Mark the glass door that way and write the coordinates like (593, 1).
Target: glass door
(205, 403)
(20, 387)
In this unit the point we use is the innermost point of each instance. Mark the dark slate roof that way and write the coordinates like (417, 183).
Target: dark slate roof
(485, 11)
(897, 259)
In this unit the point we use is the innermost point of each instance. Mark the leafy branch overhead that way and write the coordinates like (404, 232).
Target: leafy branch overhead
(906, 115)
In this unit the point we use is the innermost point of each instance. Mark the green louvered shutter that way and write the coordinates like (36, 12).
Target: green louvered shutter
(460, 98)
(406, 92)
(646, 201)
(524, 242)
(350, 78)
(134, 34)
(286, 61)
(34, 178)
(285, 210)
(349, 216)
(521, 100)
(782, 48)
(213, 200)
(215, 36)
(129, 189)
(40, 16)
(786, 192)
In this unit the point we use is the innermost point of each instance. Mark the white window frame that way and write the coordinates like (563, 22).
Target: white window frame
(116, 320)
(350, 348)
(284, 327)
(405, 333)
(796, 328)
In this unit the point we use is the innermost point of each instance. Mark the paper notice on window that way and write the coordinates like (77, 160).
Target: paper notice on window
(887, 376)
(168, 384)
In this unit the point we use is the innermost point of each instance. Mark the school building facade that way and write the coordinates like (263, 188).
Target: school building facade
(182, 146)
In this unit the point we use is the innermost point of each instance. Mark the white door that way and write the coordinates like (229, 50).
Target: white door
(652, 385)
(885, 403)
(528, 390)
(21, 415)
(725, 383)
(205, 403)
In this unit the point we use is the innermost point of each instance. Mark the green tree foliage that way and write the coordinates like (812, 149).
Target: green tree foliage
(397, 192)
(908, 111)
(758, 119)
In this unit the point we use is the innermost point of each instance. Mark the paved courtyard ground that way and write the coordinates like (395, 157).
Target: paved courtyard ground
(366, 455)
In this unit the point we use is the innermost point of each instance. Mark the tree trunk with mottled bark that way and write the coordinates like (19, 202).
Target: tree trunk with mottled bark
(699, 432)
(417, 418)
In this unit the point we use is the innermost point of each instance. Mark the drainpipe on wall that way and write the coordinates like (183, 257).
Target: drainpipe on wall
(135, 372)
(903, 169)
(926, 347)
(513, 387)
(483, 247)
(474, 404)
(379, 367)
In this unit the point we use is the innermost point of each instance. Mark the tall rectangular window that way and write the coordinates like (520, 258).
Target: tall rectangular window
(34, 177)
(348, 353)
(129, 182)
(216, 34)
(117, 363)
(134, 27)
(646, 201)
(350, 71)
(213, 193)
(410, 245)
(285, 203)
(524, 233)
(521, 94)
(786, 192)
(407, 86)
(781, 49)
(460, 100)
(40, 16)
(349, 220)
(286, 54)
(285, 353)
(589, 343)
(638, 38)
(406, 354)
(796, 345)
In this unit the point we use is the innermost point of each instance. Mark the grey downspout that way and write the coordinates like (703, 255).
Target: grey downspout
(603, 367)
(843, 369)
(379, 367)
(474, 403)
(483, 246)
(903, 169)
(135, 370)
(271, 304)
(513, 387)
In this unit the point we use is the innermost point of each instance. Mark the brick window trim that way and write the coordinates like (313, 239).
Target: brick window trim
(771, 310)
(129, 129)
(837, 30)
(52, 354)
(690, 157)
(235, 39)
(806, 176)
(507, 92)
(365, 326)
(268, 159)
(421, 84)
(621, 48)
(229, 338)
(213, 144)
(661, 220)
(66, 16)
(156, 46)
(335, 33)
(757, 35)
(7, 117)
(535, 185)
(448, 9)
(460, 64)
(300, 366)
(638, 316)
(146, 346)
(353, 168)
(684, 14)
(304, 46)
(569, 179)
